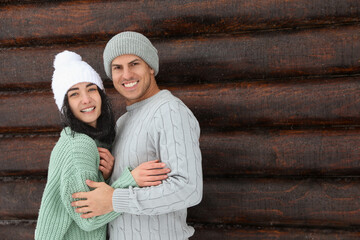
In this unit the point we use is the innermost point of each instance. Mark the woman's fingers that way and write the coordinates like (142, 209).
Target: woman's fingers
(105, 164)
(149, 184)
(156, 178)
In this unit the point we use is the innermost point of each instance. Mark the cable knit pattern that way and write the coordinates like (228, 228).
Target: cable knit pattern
(72, 161)
(160, 127)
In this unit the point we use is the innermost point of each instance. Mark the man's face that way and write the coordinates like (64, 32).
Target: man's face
(133, 78)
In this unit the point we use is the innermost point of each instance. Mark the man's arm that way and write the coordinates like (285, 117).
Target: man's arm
(99, 201)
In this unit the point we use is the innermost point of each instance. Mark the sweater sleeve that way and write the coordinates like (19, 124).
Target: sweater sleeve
(83, 165)
(175, 135)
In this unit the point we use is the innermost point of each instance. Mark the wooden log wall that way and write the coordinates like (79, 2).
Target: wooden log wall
(275, 85)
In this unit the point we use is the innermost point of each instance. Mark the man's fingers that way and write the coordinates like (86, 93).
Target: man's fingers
(93, 184)
(81, 203)
(88, 215)
(79, 195)
(82, 210)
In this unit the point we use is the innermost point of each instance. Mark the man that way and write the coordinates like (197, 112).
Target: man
(157, 125)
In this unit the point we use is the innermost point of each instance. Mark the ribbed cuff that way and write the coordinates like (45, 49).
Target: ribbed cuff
(125, 180)
(120, 199)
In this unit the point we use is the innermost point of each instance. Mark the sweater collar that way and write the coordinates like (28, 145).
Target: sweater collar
(138, 105)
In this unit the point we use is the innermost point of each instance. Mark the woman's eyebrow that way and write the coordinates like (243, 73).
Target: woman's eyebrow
(72, 89)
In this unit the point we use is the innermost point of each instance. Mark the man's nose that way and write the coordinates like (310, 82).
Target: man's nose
(127, 74)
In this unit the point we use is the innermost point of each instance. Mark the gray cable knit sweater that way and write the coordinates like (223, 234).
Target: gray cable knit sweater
(160, 127)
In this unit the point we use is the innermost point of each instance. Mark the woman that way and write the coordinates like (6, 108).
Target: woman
(88, 129)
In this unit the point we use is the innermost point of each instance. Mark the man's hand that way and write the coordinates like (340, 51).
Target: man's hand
(106, 162)
(150, 173)
(98, 201)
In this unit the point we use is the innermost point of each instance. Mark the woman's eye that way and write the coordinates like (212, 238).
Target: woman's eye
(92, 89)
(72, 94)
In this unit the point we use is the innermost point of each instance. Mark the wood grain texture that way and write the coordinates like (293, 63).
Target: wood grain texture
(26, 155)
(20, 198)
(275, 201)
(241, 153)
(291, 103)
(259, 233)
(92, 20)
(216, 59)
(282, 153)
(261, 201)
(17, 230)
(24, 230)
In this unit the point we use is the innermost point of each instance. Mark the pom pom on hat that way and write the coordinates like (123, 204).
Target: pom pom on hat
(65, 57)
(71, 70)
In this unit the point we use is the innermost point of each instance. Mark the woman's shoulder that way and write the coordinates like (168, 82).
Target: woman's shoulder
(77, 150)
(77, 141)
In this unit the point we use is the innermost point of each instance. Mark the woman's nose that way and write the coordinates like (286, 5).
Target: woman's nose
(86, 98)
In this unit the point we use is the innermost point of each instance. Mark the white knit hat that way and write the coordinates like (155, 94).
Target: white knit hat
(70, 70)
(130, 43)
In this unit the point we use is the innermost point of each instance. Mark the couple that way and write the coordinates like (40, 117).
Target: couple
(142, 199)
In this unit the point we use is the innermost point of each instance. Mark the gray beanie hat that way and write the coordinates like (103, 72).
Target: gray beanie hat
(130, 43)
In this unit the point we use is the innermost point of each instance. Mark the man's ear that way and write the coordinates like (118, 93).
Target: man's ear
(152, 71)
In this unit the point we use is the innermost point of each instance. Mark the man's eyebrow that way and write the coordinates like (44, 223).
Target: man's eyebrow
(135, 60)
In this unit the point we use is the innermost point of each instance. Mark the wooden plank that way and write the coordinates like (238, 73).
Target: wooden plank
(17, 230)
(20, 198)
(282, 152)
(261, 153)
(24, 230)
(287, 103)
(26, 155)
(277, 201)
(28, 110)
(232, 105)
(216, 59)
(259, 201)
(260, 233)
(92, 20)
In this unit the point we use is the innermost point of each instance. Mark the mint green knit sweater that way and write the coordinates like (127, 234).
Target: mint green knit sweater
(72, 161)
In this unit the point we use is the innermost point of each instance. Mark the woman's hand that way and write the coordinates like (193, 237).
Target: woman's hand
(106, 162)
(150, 173)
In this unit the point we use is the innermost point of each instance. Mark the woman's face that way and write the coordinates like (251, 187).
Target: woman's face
(85, 102)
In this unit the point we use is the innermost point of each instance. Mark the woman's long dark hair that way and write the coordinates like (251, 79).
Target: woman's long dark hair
(105, 125)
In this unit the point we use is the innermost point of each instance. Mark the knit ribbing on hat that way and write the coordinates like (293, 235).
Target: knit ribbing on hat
(70, 70)
(130, 43)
